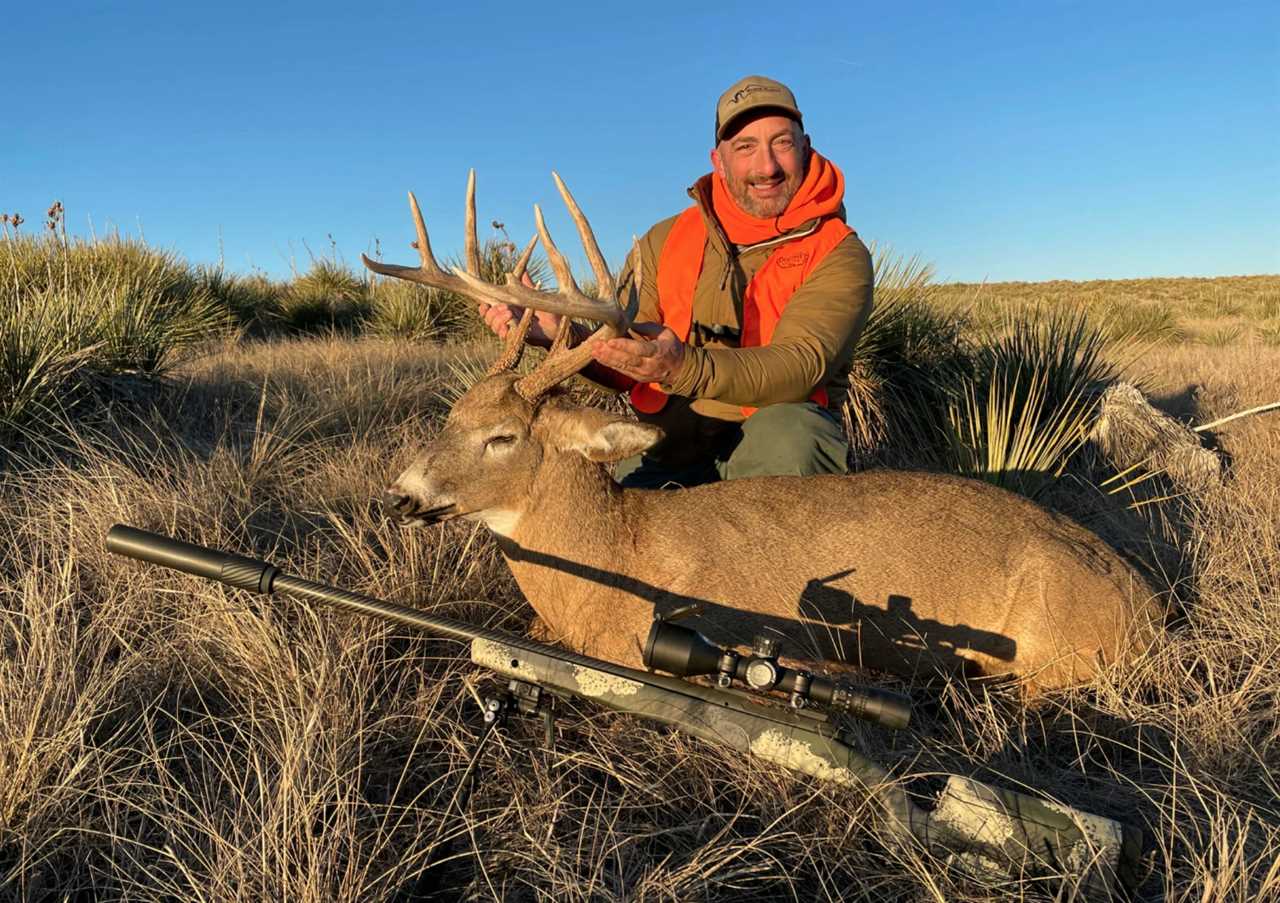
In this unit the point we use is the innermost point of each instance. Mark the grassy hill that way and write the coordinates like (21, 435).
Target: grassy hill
(162, 738)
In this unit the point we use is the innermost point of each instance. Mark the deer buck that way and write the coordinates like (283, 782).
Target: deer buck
(909, 572)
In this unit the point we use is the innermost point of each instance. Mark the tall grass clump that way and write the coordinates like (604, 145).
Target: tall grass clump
(328, 296)
(895, 394)
(1222, 336)
(405, 310)
(253, 301)
(1144, 322)
(71, 309)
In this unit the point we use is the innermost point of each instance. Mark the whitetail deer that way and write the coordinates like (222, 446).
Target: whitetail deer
(906, 571)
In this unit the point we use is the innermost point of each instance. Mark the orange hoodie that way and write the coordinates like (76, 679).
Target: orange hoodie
(819, 198)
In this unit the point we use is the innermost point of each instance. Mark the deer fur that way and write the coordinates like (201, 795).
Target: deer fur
(910, 572)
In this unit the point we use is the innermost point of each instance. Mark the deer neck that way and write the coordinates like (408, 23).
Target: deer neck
(569, 550)
(574, 505)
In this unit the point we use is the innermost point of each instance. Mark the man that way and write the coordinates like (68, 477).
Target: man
(750, 304)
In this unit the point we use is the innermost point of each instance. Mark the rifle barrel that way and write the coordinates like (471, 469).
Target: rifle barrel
(263, 577)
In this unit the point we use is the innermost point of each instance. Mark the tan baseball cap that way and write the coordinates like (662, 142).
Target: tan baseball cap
(755, 92)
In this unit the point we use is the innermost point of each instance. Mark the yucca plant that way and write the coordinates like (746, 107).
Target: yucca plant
(69, 308)
(1016, 438)
(405, 310)
(140, 328)
(36, 263)
(1023, 404)
(41, 350)
(253, 301)
(1150, 322)
(1223, 336)
(327, 296)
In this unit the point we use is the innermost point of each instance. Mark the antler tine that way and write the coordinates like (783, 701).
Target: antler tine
(604, 279)
(514, 348)
(564, 275)
(472, 244)
(429, 271)
(555, 370)
(517, 272)
(424, 242)
(561, 340)
(561, 363)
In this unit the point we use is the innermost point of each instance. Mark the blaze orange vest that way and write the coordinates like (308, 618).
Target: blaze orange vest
(766, 296)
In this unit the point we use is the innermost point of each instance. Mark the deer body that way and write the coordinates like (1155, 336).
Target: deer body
(903, 571)
(907, 572)
(910, 572)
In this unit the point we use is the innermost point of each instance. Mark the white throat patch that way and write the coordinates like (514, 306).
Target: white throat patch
(500, 520)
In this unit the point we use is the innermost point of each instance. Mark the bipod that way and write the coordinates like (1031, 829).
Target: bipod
(523, 697)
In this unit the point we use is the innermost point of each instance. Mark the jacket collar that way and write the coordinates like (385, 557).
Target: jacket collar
(700, 192)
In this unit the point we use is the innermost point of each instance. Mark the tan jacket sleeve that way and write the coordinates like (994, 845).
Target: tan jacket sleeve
(815, 333)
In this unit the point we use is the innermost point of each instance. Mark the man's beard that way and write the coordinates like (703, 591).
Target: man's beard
(762, 208)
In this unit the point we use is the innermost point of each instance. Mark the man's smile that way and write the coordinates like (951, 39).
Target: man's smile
(767, 190)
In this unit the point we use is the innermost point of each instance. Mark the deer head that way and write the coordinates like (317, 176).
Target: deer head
(507, 428)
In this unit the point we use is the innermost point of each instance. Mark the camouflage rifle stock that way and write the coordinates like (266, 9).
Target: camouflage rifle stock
(983, 826)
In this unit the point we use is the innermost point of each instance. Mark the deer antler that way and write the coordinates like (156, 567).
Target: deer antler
(568, 300)
(615, 319)
(430, 273)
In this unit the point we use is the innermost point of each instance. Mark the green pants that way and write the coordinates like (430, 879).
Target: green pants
(780, 439)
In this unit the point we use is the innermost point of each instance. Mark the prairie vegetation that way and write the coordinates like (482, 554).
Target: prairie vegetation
(162, 737)
(1246, 308)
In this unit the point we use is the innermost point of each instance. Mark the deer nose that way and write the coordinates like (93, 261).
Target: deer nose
(396, 501)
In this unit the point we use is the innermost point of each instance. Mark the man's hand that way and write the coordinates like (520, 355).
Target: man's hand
(502, 318)
(654, 354)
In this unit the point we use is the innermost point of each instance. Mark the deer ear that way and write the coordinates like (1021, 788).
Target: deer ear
(596, 435)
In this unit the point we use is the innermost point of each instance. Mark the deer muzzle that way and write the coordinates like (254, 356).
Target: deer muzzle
(408, 511)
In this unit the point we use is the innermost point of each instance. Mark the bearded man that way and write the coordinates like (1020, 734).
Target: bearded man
(750, 303)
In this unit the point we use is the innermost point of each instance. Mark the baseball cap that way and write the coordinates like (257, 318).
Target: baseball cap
(750, 94)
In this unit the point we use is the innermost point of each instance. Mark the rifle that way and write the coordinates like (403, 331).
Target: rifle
(981, 826)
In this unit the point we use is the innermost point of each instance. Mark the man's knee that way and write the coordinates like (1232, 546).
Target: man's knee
(797, 439)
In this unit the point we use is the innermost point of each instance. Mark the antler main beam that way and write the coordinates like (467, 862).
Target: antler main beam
(568, 300)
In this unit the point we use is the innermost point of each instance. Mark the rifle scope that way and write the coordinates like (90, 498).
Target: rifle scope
(686, 653)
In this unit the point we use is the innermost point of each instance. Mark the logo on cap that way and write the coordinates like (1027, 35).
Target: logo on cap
(746, 91)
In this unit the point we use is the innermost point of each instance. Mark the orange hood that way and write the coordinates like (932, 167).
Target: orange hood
(821, 194)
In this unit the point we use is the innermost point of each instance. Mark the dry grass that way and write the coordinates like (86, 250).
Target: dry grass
(164, 738)
(1161, 310)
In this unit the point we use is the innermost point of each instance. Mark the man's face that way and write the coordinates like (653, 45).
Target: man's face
(763, 164)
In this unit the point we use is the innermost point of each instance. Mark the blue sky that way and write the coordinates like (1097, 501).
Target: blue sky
(999, 141)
